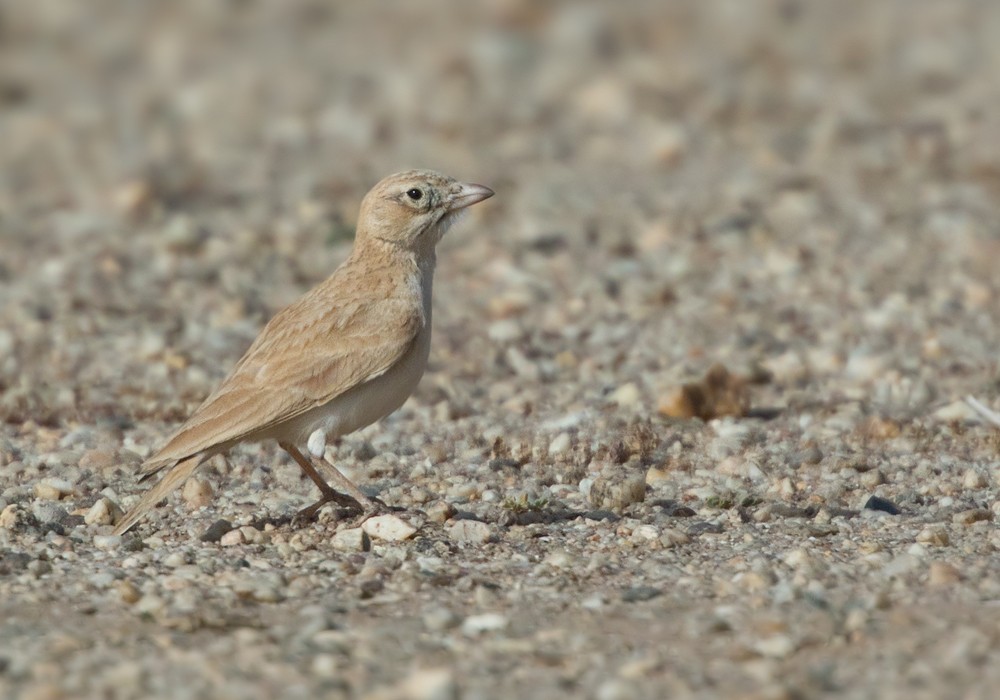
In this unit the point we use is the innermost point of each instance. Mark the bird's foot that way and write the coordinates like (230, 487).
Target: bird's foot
(308, 514)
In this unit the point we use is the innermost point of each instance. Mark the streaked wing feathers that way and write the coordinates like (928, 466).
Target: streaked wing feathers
(305, 357)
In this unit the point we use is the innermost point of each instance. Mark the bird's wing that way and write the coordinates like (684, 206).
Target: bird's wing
(305, 357)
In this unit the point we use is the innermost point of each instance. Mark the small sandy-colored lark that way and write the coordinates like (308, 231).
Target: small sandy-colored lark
(345, 355)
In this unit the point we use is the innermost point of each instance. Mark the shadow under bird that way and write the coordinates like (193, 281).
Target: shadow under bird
(345, 355)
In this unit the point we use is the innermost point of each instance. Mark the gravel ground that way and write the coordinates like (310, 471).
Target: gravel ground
(801, 194)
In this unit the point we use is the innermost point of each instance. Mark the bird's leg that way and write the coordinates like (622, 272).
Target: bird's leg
(329, 494)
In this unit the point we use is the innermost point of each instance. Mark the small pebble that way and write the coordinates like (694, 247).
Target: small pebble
(197, 493)
(439, 511)
(934, 535)
(429, 684)
(103, 512)
(216, 530)
(11, 516)
(439, 619)
(469, 531)
(638, 594)
(942, 575)
(53, 489)
(973, 479)
(353, 539)
(882, 504)
(390, 528)
(485, 622)
(617, 488)
(560, 443)
(129, 593)
(233, 538)
(107, 541)
(974, 515)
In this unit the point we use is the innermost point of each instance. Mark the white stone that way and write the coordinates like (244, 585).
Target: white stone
(233, 538)
(560, 443)
(485, 622)
(107, 541)
(53, 489)
(103, 512)
(354, 539)
(470, 531)
(429, 684)
(390, 528)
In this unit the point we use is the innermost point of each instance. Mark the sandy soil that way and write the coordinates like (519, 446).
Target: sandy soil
(804, 193)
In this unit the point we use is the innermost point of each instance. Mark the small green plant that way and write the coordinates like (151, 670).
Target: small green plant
(523, 504)
(720, 502)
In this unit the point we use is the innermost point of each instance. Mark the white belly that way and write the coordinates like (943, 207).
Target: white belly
(368, 402)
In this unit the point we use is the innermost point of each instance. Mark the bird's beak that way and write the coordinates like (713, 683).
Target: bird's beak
(468, 195)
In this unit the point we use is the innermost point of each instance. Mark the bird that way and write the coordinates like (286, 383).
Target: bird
(345, 355)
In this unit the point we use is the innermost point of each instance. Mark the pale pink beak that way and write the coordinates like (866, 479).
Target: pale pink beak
(467, 196)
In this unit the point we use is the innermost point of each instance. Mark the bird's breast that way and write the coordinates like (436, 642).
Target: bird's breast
(369, 402)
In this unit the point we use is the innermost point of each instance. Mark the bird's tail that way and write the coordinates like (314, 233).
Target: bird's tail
(175, 476)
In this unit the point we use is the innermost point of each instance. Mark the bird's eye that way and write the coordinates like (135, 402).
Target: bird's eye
(414, 194)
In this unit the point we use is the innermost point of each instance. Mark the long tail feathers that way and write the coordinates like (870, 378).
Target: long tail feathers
(175, 476)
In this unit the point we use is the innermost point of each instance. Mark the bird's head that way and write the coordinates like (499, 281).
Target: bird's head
(413, 209)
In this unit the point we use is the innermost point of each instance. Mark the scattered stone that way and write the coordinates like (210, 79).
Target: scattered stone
(600, 514)
(429, 684)
(901, 565)
(13, 562)
(705, 527)
(52, 489)
(48, 512)
(971, 516)
(390, 528)
(252, 535)
(871, 479)
(882, 504)
(617, 689)
(216, 530)
(658, 475)
(354, 539)
(973, 480)
(616, 488)
(197, 493)
(626, 395)
(637, 594)
(261, 588)
(440, 619)
(942, 575)
(233, 538)
(107, 541)
(98, 459)
(129, 593)
(673, 509)
(469, 531)
(12, 517)
(103, 512)
(560, 443)
(365, 451)
(673, 538)
(778, 646)
(439, 511)
(485, 622)
(645, 533)
(934, 535)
